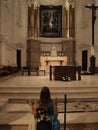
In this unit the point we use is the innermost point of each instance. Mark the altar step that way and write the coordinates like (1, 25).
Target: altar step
(87, 126)
(70, 127)
(16, 127)
(15, 112)
(52, 89)
(30, 92)
(13, 127)
(22, 94)
(3, 102)
(18, 118)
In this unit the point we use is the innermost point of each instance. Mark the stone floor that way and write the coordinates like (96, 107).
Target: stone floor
(82, 98)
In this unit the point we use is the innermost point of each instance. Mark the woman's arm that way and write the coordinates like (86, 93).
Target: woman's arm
(34, 107)
(55, 111)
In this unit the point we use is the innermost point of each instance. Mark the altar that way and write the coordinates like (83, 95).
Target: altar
(46, 61)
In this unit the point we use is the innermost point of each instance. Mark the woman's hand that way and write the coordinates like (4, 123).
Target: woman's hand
(34, 107)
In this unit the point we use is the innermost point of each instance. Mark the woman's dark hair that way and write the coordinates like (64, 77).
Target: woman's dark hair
(45, 97)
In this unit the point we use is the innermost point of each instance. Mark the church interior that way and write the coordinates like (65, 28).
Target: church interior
(49, 43)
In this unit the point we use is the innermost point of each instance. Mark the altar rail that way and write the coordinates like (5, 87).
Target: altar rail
(57, 72)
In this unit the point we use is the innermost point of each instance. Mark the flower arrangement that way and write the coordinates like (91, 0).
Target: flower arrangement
(66, 78)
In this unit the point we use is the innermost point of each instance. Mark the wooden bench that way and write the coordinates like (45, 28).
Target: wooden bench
(15, 69)
(44, 72)
(96, 70)
(29, 70)
(3, 71)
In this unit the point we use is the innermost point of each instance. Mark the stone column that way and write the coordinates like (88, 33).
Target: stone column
(36, 22)
(30, 21)
(70, 22)
(64, 24)
(36, 13)
(33, 19)
(67, 18)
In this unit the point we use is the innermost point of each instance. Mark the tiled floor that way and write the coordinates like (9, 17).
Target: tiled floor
(23, 87)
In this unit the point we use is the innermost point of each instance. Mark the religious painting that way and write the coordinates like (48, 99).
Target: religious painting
(50, 21)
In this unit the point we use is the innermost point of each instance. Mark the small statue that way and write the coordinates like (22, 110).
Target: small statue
(53, 51)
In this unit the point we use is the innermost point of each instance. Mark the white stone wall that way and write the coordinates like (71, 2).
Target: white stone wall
(83, 31)
(13, 30)
(8, 55)
(96, 35)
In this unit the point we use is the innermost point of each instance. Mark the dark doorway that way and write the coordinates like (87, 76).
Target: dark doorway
(84, 60)
(19, 59)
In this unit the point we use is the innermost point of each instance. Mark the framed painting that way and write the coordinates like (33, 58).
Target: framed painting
(50, 21)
